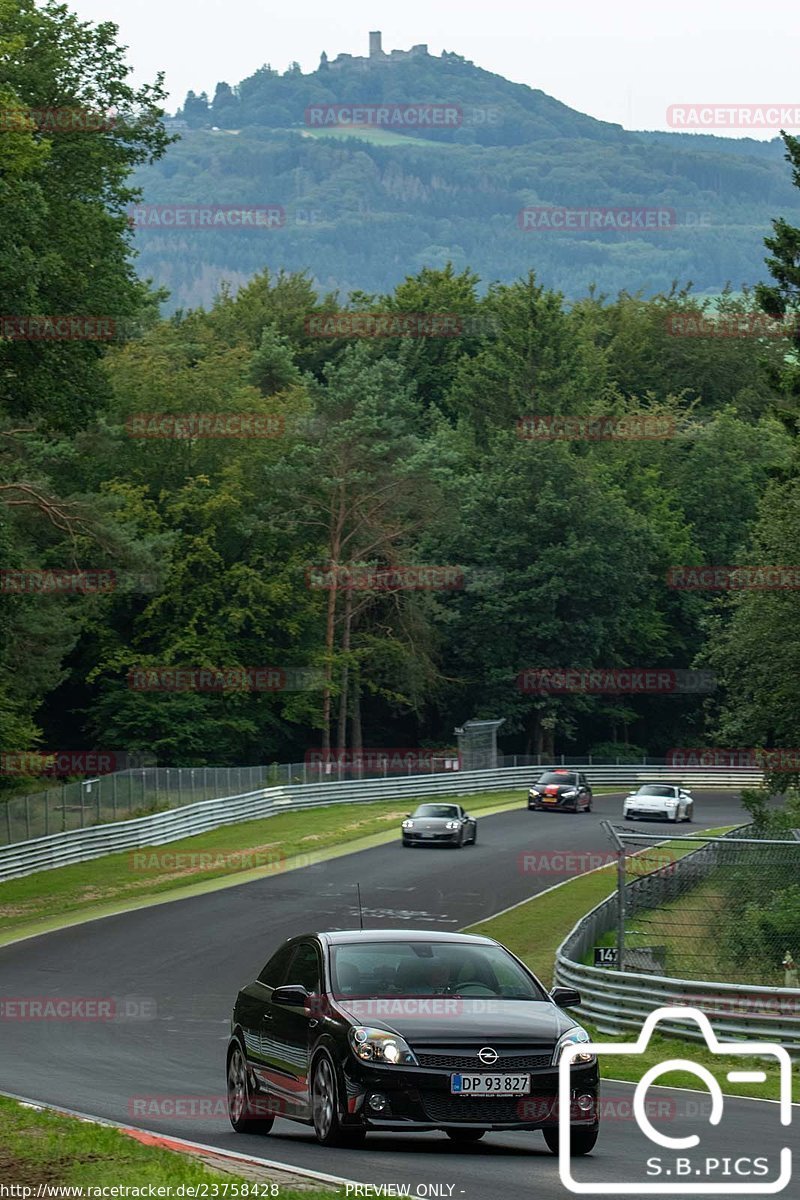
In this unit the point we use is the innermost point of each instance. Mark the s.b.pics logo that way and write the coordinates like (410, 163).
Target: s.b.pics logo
(697, 1155)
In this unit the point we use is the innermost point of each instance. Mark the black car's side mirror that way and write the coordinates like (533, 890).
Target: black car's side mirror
(565, 997)
(293, 995)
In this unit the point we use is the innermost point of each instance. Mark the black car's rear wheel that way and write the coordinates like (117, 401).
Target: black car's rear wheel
(581, 1141)
(242, 1113)
(325, 1108)
(465, 1135)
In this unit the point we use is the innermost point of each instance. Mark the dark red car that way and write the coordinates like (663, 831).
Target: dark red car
(561, 790)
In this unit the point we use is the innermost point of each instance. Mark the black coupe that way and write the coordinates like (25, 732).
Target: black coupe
(405, 1030)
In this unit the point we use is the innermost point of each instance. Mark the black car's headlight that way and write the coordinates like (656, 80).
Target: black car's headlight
(452, 825)
(570, 795)
(571, 1038)
(408, 824)
(533, 792)
(380, 1046)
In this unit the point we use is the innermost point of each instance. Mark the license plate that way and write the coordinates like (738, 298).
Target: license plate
(429, 835)
(490, 1085)
(550, 799)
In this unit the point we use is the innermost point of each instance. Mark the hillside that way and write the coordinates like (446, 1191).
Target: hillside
(364, 207)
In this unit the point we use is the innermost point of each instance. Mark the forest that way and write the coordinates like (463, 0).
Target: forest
(239, 531)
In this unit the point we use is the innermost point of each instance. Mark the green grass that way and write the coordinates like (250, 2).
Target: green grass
(659, 1049)
(238, 853)
(41, 1147)
(534, 931)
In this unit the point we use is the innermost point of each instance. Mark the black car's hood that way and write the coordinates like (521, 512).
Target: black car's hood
(451, 1019)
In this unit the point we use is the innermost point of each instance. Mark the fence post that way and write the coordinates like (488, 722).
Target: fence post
(114, 795)
(8, 821)
(99, 793)
(45, 798)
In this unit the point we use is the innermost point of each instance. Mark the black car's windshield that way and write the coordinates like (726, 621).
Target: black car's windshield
(437, 810)
(655, 789)
(557, 777)
(384, 969)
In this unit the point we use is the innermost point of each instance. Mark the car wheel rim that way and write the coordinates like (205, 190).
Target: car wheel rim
(323, 1099)
(237, 1086)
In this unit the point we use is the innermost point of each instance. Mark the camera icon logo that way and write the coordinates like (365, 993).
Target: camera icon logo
(702, 1180)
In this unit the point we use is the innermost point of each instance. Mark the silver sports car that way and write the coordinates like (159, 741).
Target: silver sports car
(439, 824)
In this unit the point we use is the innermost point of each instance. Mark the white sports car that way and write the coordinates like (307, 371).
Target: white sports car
(659, 801)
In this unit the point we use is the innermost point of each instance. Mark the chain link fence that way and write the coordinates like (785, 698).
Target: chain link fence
(724, 910)
(139, 791)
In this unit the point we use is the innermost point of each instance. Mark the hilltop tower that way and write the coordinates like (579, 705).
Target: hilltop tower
(375, 48)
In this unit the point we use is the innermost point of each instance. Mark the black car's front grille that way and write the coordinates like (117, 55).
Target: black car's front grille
(471, 1062)
(493, 1110)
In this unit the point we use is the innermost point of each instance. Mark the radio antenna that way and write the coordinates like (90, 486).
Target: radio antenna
(360, 910)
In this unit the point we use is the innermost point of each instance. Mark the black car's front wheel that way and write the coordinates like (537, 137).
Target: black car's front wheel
(465, 1135)
(581, 1141)
(242, 1113)
(325, 1108)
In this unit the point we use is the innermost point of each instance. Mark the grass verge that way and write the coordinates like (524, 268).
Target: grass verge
(534, 931)
(232, 854)
(41, 1147)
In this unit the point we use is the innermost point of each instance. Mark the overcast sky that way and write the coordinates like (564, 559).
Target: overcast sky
(621, 61)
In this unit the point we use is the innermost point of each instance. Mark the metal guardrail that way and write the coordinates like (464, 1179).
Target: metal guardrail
(80, 845)
(142, 788)
(618, 1002)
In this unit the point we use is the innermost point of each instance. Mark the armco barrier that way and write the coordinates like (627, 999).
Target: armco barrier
(617, 1002)
(80, 845)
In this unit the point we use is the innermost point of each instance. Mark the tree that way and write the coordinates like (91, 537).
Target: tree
(64, 252)
(358, 487)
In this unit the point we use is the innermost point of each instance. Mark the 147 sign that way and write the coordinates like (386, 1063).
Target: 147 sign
(605, 956)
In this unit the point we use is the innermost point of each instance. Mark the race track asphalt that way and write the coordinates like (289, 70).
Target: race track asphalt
(175, 968)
